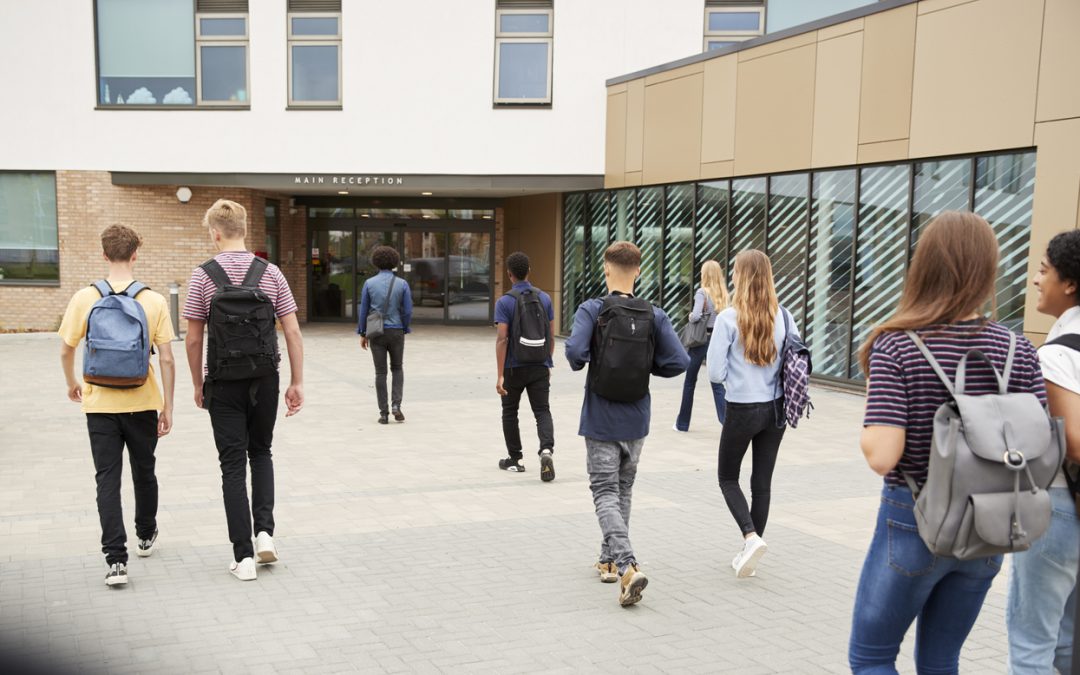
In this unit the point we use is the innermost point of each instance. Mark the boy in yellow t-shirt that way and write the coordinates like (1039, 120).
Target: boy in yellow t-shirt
(119, 417)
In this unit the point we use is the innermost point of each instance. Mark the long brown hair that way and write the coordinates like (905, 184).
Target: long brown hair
(952, 275)
(755, 306)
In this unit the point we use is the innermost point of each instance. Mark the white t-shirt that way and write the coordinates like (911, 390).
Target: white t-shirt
(1061, 364)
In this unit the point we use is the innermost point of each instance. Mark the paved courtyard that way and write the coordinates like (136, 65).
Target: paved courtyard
(404, 549)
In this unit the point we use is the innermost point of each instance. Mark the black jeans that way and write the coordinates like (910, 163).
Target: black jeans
(536, 380)
(109, 433)
(749, 423)
(391, 342)
(242, 414)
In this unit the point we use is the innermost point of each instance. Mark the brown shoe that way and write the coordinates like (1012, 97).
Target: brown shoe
(398, 415)
(609, 574)
(633, 582)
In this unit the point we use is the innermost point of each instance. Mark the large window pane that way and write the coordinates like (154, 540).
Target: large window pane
(315, 73)
(679, 272)
(881, 250)
(224, 73)
(233, 26)
(523, 70)
(747, 217)
(621, 224)
(788, 212)
(146, 52)
(711, 231)
(523, 23)
(314, 26)
(1004, 189)
(729, 22)
(939, 186)
(573, 257)
(649, 237)
(470, 276)
(28, 235)
(832, 233)
(598, 241)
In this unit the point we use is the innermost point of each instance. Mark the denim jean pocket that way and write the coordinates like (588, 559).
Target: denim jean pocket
(908, 554)
(1058, 545)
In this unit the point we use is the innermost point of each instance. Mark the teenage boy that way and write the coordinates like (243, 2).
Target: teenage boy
(243, 409)
(525, 319)
(615, 413)
(135, 416)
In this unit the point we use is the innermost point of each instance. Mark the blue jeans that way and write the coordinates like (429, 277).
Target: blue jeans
(903, 581)
(697, 357)
(1042, 594)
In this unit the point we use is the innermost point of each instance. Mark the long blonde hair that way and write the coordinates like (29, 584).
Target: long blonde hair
(755, 306)
(712, 282)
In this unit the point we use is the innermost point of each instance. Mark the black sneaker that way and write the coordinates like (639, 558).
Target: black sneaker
(512, 465)
(117, 575)
(398, 415)
(384, 418)
(547, 466)
(146, 546)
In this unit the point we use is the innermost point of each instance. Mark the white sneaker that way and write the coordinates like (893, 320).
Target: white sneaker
(746, 562)
(265, 551)
(243, 570)
(675, 427)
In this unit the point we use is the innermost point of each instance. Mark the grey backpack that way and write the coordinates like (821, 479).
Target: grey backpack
(992, 459)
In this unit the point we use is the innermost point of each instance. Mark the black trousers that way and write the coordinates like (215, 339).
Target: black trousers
(242, 414)
(109, 433)
(391, 343)
(746, 424)
(536, 381)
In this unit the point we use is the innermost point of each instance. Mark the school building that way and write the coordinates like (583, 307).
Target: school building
(459, 131)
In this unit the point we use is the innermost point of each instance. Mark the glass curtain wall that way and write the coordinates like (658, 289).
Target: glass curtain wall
(840, 240)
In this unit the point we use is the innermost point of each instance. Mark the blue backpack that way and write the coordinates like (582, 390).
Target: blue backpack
(117, 339)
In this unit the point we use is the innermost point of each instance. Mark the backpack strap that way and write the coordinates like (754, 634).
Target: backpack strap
(1009, 362)
(133, 290)
(933, 362)
(961, 371)
(216, 272)
(1070, 340)
(103, 287)
(255, 272)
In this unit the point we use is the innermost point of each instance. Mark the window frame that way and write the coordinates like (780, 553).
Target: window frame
(732, 35)
(508, 37)
(4, 281)
(295, 40)
(199, 101)
(199, 37)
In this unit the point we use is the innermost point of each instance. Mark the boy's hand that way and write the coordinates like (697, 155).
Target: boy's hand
(499, 387)
(198, 397)
(294, 399)
(363, 343)
(164, 422)
(75, 392)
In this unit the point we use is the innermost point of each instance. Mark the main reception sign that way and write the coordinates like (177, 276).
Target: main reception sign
(322, 179)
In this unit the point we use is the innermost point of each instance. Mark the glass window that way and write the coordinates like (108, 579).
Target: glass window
(712, 45)
(832, 238)
(271, 214)
(330, 212)
(29, 249)
(734, 21)
(939, 186)
(747, 218)
(711, 232)
(787, 13)
(224, 73)
(146, 52)
(469, 279)
(679, 272)
(1004, 190)
(523, 46)
(315, 60)
(234, 26)
(789, 211)
(621, 225)
(729, 25)
(649, 238)
(599, 212)
(573, 257)
(880, 250)
(314, 26)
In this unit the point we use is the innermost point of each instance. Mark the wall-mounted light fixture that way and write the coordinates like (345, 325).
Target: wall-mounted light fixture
(183, 194)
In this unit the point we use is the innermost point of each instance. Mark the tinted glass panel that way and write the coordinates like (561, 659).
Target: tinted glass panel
(523, 23)
(832, 234)
(469, 277)
(314, 26)
(315, 73)
(222, 27)
(719, 44)
(621, 224)
(747, 218)
(710, 234)
(28, 231)
(649, 237)
(224, 74)
(723, 22)
(424, 268)
(679, 272)
(333, 278)
(598, 241)
(523, 70)
(146, 52)
(939, 186)
(789, 210)
(573, 257)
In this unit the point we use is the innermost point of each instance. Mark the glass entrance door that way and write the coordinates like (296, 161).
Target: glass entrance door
(469, 280)
(424, 265)
(333, 282)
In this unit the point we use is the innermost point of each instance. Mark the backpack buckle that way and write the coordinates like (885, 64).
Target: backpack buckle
(1014, 459)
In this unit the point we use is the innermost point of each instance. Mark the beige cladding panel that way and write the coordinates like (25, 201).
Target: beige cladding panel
(774, 112)
(1059, 83)
(673, 130)
(976, 72)
(718, 116)
(1057, 199)
(615, 143)
(887, 60)
(635, 124)
(836, 101)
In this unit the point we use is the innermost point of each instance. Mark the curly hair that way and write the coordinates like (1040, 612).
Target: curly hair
(385, 257)
(119, 242)
(518, 265)
(1063, 254)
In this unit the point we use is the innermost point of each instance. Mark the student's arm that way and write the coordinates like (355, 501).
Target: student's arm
(719, 348)
(67, 361)
(294, 342)
(168, 383)
(699, 306)
(502, 337)
(406, 305)
(72, 330)
(669, 357)
(365, 307)
(579, 342)
(882, 447)
(551, 328)
(1066, 404)
(885, 421)
(193, 343)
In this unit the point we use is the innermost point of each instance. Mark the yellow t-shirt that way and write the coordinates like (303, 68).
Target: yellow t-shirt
(104, 399)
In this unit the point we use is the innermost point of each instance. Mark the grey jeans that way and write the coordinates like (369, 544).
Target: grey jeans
(612, 469)
(392, 343)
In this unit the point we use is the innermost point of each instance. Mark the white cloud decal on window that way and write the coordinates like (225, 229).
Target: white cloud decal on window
(141, 96)
(178, 96)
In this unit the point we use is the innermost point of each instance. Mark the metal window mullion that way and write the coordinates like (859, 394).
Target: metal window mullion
(972, 194)
(911, 217)
(809, 243)
(727, 227)
(854, 269)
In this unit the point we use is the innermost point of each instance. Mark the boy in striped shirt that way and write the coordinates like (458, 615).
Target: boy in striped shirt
(243, 412)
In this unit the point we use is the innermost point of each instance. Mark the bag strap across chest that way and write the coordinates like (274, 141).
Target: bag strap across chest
(389, 293)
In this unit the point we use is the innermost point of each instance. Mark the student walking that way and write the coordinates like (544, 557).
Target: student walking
(745, 354)
(1042, 589)
(239, 385)
(623, 340)
(525, 320)
(950, 281)
(385, 313)
(710, 299)
(119, 392)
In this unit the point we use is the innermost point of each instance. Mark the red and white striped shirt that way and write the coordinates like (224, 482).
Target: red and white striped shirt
(235, 263)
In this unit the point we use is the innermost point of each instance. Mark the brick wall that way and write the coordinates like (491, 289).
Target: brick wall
(174, 241)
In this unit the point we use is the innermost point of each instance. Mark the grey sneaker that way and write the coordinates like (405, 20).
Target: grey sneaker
(117, 575)
(547, 467)
(146, 546)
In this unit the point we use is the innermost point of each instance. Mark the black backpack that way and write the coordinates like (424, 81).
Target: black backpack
(1070, 469)
(241, 339)
(530, 332)
(622, 349)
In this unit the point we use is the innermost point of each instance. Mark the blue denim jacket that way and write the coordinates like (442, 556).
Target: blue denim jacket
(398, 314)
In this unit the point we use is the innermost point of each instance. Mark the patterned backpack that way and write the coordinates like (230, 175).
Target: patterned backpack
(795, 371)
